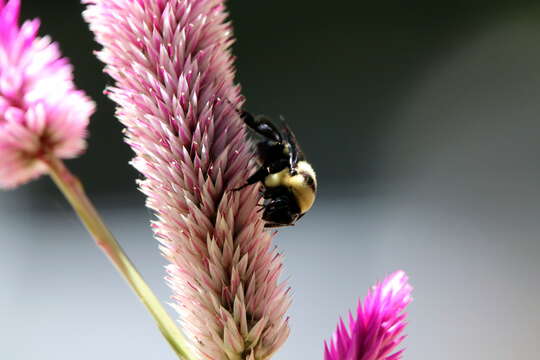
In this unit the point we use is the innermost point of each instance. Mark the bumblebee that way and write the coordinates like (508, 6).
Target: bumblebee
(289, 182)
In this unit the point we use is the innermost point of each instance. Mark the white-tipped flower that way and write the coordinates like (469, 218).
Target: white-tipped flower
(176, 97)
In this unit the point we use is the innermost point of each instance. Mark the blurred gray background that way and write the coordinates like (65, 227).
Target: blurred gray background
(422, 120)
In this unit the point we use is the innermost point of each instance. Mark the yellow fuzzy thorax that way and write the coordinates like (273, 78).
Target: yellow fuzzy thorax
(304, 194)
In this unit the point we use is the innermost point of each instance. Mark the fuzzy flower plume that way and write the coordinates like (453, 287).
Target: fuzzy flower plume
(376, 330)
(173, 73)
(41, 112)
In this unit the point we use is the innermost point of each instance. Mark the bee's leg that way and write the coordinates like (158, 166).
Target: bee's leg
(262, 125)
(259, 175)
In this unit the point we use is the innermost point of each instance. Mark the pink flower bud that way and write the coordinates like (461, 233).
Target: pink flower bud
(376, 330)
(41, 111)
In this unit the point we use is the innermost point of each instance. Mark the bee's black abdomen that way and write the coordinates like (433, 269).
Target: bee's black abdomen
(271, 155)
(262, 125)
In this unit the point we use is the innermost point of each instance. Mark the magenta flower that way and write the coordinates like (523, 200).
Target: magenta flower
(376, 331)
(41, 112)
(177, 99)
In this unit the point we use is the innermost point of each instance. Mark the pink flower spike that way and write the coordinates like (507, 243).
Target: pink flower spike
(173, 73)
(379, 322)
(41, 112)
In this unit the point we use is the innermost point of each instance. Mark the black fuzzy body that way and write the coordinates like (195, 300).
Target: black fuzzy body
(276, 151)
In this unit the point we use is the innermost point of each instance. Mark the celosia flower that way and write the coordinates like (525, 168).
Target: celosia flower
(376, 330)
(41, 112)
(174, 87)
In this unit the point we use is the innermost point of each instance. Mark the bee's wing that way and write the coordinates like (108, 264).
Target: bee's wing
(296, 153)
(261, 125)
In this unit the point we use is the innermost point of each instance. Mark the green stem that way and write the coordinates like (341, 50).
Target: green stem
(73, 190)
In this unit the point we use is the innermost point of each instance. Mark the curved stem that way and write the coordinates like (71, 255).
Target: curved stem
(73, 190)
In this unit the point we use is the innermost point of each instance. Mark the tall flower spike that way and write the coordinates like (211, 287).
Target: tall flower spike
(41, 112)
(376, 331)
(174, 87)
